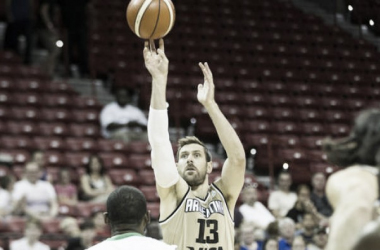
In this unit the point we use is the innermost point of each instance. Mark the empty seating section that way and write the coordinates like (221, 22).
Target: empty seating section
(278, 72)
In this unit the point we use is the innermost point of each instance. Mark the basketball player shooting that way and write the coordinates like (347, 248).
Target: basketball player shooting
(194, 214)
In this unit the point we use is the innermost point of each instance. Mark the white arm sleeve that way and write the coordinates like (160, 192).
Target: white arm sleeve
(163, 162)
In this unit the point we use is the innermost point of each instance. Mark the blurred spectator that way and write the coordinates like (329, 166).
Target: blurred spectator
(153, 230)
(253, 210)
(67, 192)
(6, 187)
(302, 206)
(35, 197)
(86, 238)
(122, 120)
(298, 243)
(272, 230)
(286, 227)
(248, 241)
(238, 218)
(95, 185)
(282, 200)
(101, 228)
(270, 244)
(38, 156)
(319, 240)
(318, 195)
(69, 226)
(74, 18)
(48, 33)
(308, 227)
(20, 17)
(30, 241)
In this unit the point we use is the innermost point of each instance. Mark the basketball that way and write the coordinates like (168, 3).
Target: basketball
(150, 19)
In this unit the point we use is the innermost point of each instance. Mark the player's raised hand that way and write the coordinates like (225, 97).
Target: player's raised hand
(156, 62)
(206, 90)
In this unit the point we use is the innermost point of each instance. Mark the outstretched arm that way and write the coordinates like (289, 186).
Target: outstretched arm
(163, 162)
(352, 193)
(232, 179)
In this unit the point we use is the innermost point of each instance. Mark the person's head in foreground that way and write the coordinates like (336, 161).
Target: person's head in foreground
(362, 146)
(271, 244)
(127, 211)
(298, 243)
(33, 230)
(194, 161)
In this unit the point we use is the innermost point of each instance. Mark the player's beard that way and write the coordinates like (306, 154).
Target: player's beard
(196, 179)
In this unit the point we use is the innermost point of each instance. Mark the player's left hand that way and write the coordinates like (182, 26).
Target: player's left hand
(206, 90)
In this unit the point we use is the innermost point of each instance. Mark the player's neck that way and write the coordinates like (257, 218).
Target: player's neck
(123, 229)
(201, 190)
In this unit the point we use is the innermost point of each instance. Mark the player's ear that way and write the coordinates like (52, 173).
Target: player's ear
(147, 217)
(209, 167)
(106, 219)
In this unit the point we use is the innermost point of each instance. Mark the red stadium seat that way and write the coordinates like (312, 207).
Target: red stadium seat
(85, 102)
(106, 145)
(85, 209)
(56, 115)
(80, 144)
(137, 161)
(56, 100)
(285, 127)
(84, 130)
(5, 98)
(139, 147)
(256, 112)
(58, 87)
(311, 142)
(310, 115)
(54, 158)
(114, 160)
(286, 141)
(23, 99)
(30, 85)
(150, 193)
(312, 129)
(77, 160)
(147, 177)
(53, 129)
(67, 210)
(16, 142)
(49, 143)
(51, 226)
(258, 126)
(284, 114)
(16, 224)
(123, 176)
(86, 116)
(24, 128)
(25, 113)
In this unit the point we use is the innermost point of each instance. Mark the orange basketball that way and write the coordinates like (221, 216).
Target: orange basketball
(150, 19)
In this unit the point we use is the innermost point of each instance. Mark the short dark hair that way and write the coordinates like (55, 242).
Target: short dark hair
(87, 224)
(126, 205)
(362, 146)
(193, 140)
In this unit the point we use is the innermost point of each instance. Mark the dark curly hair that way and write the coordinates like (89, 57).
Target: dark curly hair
(362, 146)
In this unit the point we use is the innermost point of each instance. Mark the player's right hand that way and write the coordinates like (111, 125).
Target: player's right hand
(156, 62)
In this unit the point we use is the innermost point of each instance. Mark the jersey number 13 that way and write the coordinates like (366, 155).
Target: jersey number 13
(211, 226)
